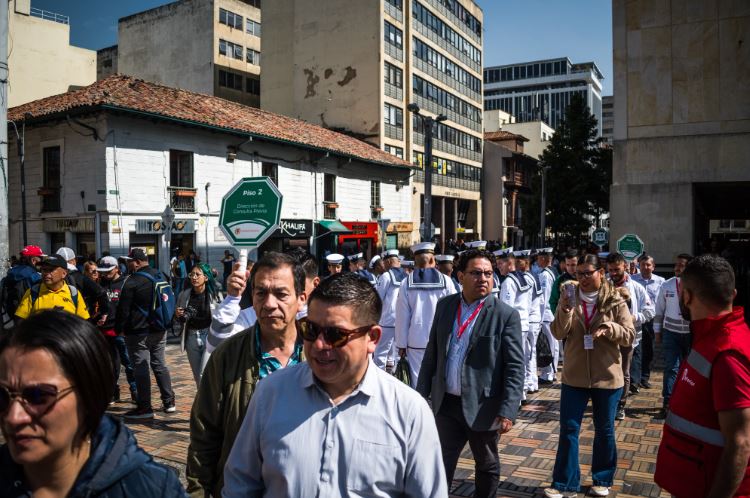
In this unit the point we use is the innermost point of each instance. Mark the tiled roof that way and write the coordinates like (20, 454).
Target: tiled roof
(126, 93)
(498, 136)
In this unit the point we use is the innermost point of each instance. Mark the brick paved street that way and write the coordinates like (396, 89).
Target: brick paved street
(527, 453)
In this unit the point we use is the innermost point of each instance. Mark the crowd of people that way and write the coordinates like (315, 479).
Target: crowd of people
(294, 370)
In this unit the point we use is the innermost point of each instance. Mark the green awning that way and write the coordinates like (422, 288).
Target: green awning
(334, 226)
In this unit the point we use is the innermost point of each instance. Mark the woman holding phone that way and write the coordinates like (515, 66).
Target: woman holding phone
(595, 321)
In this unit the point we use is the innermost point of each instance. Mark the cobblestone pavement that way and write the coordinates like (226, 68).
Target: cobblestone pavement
(527, 452)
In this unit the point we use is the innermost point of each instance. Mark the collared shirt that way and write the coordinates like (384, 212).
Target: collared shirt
(652, 284)
(49, 299)
(380, 441)
(267, 363)
(459, 346)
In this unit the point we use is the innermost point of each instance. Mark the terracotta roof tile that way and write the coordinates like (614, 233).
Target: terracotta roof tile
(131, 94)
(498, 136)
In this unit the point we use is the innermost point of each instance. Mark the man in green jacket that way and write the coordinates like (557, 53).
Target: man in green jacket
(571, 260)
(236, 366)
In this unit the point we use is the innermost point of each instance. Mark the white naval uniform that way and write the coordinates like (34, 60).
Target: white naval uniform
(388, 286)
(531, 380)
(547, 278)
(517, 293)
(415, 310)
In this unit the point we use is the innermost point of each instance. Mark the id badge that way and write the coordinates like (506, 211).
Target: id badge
(588, 341)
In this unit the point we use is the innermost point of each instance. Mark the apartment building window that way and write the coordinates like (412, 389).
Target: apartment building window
(329, 196)
(230, 19)
(51, 179)
(271, 170)
(253, 56)
(253, 86)
(393, 75)
(432, 22)
(375, 205)
(180, 168)
(393, 115)
(393, 150)
(455, 169)
(393, 35)
(427, 90)
(228, 79)
(460, 12)
(396, 3)
(445, 65)
(450, 135)
(230, 49)
(253, 28)
(253, 3)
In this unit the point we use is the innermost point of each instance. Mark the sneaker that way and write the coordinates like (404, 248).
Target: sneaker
(662, 414)
(599, 490)
(169, 407)
(619, 416)
(645, 384)
(139, 414)
(546, 382)
(634, 389)
(553, 493)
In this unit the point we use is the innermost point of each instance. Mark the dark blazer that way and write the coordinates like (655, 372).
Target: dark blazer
(493, 371)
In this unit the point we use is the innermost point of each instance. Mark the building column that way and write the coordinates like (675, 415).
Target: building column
(442, 224)
(70, 241)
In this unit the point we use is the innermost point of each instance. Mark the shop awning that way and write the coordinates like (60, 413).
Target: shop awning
(334, 226)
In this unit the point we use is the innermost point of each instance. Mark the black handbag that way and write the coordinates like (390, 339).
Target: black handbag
(402, 371)
(543, 351)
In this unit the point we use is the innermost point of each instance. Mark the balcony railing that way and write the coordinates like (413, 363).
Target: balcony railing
(449, 148)
(182, 199)
(392, 11)
(394, 51)
(452, 115)
(49, 16)
(394, 92)
(455, 20)
(395, 132)
(448, 80)
(461, 56)
(449, 181)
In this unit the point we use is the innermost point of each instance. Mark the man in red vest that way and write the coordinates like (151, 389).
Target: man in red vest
(705, 447)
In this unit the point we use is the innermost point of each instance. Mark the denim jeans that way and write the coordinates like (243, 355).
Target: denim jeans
(676, 348)
(635, 365)
(647, 350)
(120, 357)
(195, 347)
(566, 475)
(148, 349)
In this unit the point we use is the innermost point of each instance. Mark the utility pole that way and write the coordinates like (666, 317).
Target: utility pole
(429, 124)
(4, 212)
(543, 221)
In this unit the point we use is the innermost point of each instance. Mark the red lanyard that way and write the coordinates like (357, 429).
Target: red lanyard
(586, 317)
(462, 327)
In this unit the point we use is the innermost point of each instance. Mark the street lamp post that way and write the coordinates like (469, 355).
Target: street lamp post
(543, 221)
(167, 218)
(429, 123)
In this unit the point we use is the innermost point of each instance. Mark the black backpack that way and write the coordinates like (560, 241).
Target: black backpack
(543, 351)
(11, 292)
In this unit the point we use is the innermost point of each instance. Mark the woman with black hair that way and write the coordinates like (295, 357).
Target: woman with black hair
(55, 385)
(595, 321)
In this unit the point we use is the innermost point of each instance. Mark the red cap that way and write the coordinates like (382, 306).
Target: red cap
(32, 251)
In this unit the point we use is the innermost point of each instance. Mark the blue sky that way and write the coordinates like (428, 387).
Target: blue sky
(515, 30)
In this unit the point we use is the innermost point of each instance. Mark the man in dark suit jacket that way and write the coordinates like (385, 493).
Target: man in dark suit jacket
(473, 370)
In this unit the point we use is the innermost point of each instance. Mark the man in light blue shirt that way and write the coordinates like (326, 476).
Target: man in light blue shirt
(337, 425)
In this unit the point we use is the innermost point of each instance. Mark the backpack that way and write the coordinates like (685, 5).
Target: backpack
(37, 287)
(162, 308)
(11, 292)
(543, 351)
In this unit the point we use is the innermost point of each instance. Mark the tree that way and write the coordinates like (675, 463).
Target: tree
(579, 174)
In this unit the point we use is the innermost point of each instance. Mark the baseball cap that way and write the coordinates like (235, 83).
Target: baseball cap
(67, 253)
(107, 263)
(32, 251)
(137, 254)
(55, 260)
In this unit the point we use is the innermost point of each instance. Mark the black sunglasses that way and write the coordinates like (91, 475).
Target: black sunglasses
(335, 336)
(36, 400)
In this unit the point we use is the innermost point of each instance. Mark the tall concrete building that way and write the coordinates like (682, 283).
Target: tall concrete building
(541, 90)
(205, 46)
(355, 65)
(682, 129)
(608, 119)
(41, 60)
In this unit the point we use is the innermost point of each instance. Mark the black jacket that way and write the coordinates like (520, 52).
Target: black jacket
(117, 468)
(93, 295)
(136, 295)
(113, 288)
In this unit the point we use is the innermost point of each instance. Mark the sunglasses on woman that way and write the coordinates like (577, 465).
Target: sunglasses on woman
(335, 336)
(36, 400)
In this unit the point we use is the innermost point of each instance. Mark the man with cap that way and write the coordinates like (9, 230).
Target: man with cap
(445, 264)
(407, 265)
(112, 282)
(536, 312)
(20, 278)
(361, 270)
(334, 262)
(145, 346)
(518, 292)
(504, 264)
(376, 266)
(547, 279)
(52, 292)
(95, 297)
(353, 260)
(415, 307)
(388, 286)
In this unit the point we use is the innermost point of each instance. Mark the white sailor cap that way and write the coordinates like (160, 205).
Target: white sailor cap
(545, 251)
(374, 260)
(503, 253)
(355, 257)
(477, 244)
(407, 263)
(390, 253)
(334, 259)
(522, 254)
(423, 247)
(444, 258)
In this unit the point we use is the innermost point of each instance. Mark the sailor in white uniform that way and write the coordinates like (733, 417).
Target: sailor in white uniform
(388, 286)
(547, 277)
(535, 325)
(415, 306)
(517, 292)
(334, 262)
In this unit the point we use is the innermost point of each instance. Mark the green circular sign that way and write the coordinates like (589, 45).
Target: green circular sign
(630, 245)
(250, 211)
